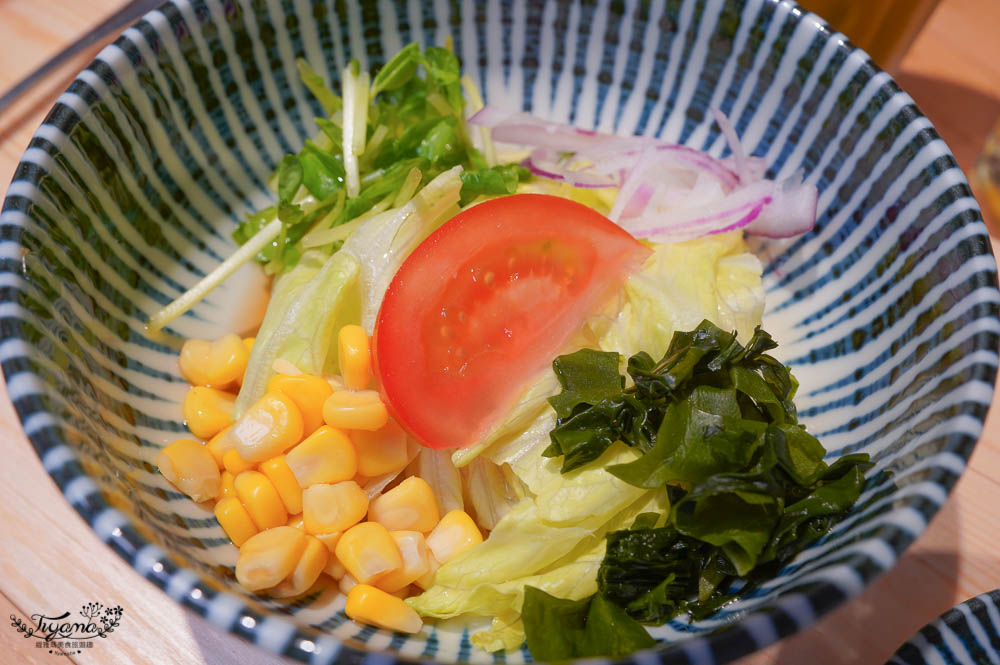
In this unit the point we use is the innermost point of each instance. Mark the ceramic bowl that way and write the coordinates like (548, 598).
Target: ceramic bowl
(886, 311)
(967, 634)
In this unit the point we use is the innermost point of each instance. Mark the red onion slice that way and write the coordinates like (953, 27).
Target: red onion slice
(639, 200)
(663, 185)
(733, 210)
(739, 155)
(763, 208)
(542, 163)
(595, 147)
(792, 212)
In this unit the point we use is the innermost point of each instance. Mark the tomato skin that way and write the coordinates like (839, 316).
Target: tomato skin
(485, 303)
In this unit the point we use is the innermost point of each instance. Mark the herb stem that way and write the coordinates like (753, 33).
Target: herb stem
(356, 88)
(475, 105)
(192, 296)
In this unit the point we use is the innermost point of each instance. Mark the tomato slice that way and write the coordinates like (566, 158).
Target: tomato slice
(485, 303)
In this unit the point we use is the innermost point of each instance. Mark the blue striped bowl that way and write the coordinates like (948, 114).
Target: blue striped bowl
(887, 310)
(967, 634)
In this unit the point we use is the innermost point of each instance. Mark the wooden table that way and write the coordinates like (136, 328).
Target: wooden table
(52, 561)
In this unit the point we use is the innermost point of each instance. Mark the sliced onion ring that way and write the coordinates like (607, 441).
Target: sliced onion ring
(637, 165)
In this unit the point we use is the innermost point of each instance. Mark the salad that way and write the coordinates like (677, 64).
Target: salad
(508, 369)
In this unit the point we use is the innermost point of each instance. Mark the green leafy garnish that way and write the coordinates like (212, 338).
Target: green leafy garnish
(330, 101)
(444, 71)
(289, 177)
(495, 181)
(558, 629)
(413, 119)
(399, 70)
(322, 171)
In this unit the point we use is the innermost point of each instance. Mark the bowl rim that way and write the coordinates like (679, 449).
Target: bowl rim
(955, 621)
(751, 632)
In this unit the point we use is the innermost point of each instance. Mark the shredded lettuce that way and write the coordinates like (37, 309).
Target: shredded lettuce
(382, 243)
(553, 539)
(437, 470)
(492, 492)
(543, 543)
(310, 302)
(714, 278)
(295, 329)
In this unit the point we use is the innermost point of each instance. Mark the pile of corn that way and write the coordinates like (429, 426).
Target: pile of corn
(288, 479)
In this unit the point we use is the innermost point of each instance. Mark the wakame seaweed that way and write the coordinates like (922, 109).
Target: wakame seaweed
(717, 427)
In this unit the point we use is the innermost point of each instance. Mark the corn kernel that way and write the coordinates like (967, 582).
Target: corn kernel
(261, 499)
(325, 456)
(308, 392)
(277, 471)
(368, 551)
(269, 557)
(370, 605)
(334, 568)
(248, 343)
(329, 539)
(268, 428)
(403, 593)
(285, 366)
(409, 506)
(208, 411)
(330, 508)
(219, 444)
(297, 521)
(307, 570)
(215, 364)
(227, 486)
(455, 533)
(382, 451)
(189, 467)
(235, 464)
(355, 409)
(416, 561)
(346, 583)
(235, 520)
(354, 356)
(192, 361)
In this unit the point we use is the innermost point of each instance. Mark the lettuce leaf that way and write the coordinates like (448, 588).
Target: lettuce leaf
(490, 492)
(521, 425)
(381, 243)
(553, 541)
(307, 304)
(714, 278)
(437, 470)
(311, 301)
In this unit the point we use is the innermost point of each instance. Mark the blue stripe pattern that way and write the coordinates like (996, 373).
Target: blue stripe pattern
(967, 634)
(127, 194)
